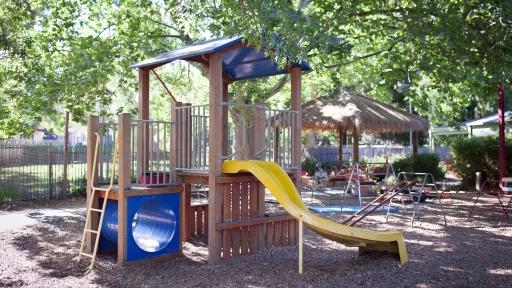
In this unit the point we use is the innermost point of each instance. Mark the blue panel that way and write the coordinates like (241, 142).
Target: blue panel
(110, 222)
(188, 51)
(153, 226)
(238, 63)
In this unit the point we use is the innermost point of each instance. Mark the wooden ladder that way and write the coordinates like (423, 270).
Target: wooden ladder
(378, 202)
(90, 209)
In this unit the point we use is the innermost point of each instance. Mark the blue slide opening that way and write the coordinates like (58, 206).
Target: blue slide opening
(152, 226)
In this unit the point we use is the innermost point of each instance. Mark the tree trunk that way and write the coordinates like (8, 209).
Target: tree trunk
(241, 116)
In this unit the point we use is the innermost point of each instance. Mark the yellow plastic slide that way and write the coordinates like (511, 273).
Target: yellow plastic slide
(281, 186)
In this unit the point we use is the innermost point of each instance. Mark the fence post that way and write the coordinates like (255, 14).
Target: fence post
(65, 182)
(50, 172)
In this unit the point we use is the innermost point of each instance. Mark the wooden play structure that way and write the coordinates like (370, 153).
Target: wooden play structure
(149, 212)
(162, 158)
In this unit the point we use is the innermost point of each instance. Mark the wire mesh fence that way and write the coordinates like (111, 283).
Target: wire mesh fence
(35, 171)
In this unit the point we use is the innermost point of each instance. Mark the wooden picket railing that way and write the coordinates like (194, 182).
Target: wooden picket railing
(198, 220)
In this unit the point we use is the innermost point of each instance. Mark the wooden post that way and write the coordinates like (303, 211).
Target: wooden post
(276, 144)
(415, 142)
(225, 119)
(93, 124)
(215, 156)
(143, 94)
(124, 152)
(65, 182)
(187, 218)
(142, 131)
(258, 143)
(355, 145)
(340, 146)
(296, 105)
(175, 153)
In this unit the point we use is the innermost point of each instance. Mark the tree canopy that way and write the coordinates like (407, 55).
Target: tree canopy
(445, 56)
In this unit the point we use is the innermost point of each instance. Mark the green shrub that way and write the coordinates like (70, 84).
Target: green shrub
(420, 163)
(8, 194)
(78, 187)
(478, 154)
(309, 165)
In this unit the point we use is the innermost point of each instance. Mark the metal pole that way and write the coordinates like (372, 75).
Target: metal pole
(301, 245)
(65, 182)
(501, 130)
(410, 131)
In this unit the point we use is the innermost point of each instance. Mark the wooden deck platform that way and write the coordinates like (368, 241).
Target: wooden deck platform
(140, 190)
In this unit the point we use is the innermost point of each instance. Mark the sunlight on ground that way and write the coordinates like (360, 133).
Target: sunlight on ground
(507, 272)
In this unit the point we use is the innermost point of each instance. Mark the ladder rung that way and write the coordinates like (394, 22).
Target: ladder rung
(96, 210)
(92, 231)
(85, 254)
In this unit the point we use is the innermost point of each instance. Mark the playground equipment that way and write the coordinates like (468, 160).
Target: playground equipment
(138, 212)
(149, 212)
(91, 209)
(283, 189)
(501, 191)
(504, 189)
(416, 194)
(361, 176)
(379, 202)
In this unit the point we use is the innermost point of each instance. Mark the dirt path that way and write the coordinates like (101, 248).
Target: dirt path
(38, 247)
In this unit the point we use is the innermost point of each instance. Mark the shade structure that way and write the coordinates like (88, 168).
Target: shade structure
(349, 111)
(240, 61)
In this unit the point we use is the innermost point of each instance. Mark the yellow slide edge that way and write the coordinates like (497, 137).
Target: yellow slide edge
(283, 189)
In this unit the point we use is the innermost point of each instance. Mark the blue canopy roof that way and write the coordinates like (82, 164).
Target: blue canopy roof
(238, 63)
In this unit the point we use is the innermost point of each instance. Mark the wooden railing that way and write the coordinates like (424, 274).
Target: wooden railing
(198, 220)
(270, 134)
(151, 149)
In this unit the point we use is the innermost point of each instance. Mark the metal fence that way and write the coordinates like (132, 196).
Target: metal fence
(329, 154)
(35, 171)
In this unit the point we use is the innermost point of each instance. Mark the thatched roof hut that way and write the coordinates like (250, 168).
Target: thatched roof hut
(348, 111)
(356, 113)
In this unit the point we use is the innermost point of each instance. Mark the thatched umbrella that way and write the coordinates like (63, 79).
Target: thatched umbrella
(348, 111)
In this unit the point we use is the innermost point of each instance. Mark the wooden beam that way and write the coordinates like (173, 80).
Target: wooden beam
(296, 105)
(215, 156)
(124, 179)
(340, 146)
(187, 211)
(355, 145)
(276, 144)
(93, 124)
(175, 153)
(225, 118)
(253, 222)
(415, 142)
(142, 131)
(143, 93)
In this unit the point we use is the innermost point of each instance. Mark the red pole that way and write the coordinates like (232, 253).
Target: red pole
(501, 131)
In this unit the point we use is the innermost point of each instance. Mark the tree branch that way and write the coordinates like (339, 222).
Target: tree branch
(276, 88)
(103, 30)
(400, 10)
(363, 56)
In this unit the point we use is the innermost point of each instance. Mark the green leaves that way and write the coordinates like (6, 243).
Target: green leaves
(75, 55)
